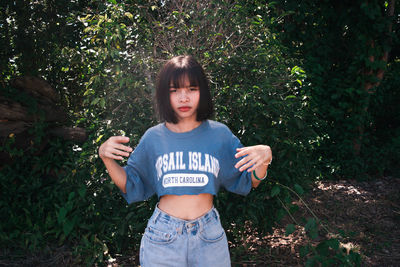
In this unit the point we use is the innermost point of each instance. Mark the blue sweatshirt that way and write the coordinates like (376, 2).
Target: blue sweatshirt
(190, 163)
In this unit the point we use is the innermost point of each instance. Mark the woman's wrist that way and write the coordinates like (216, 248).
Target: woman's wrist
(265, 163)
(260, 179)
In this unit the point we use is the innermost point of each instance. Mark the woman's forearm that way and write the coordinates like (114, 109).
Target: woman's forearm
(116, 172)
(260, 171)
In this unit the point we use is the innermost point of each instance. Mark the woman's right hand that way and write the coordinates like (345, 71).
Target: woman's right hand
(113, 148)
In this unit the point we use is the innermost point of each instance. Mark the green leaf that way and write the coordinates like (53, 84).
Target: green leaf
(71, 196)
(129, 15)
(289, 229)
(82, 191)
(323, 248)
(310, 224)
(99, 138)
(310, 262)
(298, 189)
(313, 233)
(333, 243)
(95, 101)
(275, 190)
(102, 103)
(311, 228)
(61, 215)
(305, 250)
(295, 69)
(280, 214)
(290, 97)
(68, 226)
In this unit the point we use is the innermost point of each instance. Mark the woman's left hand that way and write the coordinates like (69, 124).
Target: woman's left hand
(254, 156)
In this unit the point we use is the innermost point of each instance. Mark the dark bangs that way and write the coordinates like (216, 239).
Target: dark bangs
(173, 73)
(177, 78)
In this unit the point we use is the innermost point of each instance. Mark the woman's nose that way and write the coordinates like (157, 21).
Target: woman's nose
(183, 96)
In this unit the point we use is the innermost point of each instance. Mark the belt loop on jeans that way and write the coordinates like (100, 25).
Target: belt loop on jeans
(200, 225)
(179, 228)
(156, 214)
(216, 213)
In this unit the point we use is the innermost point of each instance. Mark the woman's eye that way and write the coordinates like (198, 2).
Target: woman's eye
(193, 89)
(172, 90)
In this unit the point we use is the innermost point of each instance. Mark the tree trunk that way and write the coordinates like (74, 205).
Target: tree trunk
(14, 111)
(72, 134)
(20, 113)
(368, 87)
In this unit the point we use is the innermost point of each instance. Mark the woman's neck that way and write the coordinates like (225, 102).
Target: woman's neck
(183, 126)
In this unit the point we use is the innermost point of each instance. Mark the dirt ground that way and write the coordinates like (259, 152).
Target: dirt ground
(367, 212)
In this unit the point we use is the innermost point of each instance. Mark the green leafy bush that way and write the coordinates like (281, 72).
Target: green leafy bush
(278, 74)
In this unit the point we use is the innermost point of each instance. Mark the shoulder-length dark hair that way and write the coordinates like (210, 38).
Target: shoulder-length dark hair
(173, 73)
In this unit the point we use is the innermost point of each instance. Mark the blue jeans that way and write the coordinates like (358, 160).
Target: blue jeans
(170, 241)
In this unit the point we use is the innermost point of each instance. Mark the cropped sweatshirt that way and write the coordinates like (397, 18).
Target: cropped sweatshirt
(190, 163)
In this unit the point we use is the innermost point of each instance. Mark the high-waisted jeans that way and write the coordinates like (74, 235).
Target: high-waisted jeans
(170, 241)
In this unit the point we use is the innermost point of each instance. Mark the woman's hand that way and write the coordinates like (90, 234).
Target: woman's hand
(254, 156)
(113, 148)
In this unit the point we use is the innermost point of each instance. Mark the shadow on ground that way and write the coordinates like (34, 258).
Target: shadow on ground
(367, 214)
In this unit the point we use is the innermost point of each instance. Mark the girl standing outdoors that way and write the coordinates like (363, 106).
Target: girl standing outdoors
(184, 160)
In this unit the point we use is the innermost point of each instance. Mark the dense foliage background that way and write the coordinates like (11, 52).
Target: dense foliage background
(316, 80)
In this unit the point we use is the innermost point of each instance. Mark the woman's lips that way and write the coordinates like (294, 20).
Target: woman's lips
(184, 109)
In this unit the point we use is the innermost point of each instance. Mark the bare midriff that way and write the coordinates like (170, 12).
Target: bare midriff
(186, 207)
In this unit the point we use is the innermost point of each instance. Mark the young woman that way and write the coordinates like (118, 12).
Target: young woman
(184, 160)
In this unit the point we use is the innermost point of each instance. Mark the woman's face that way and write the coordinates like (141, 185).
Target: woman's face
(184, 100)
